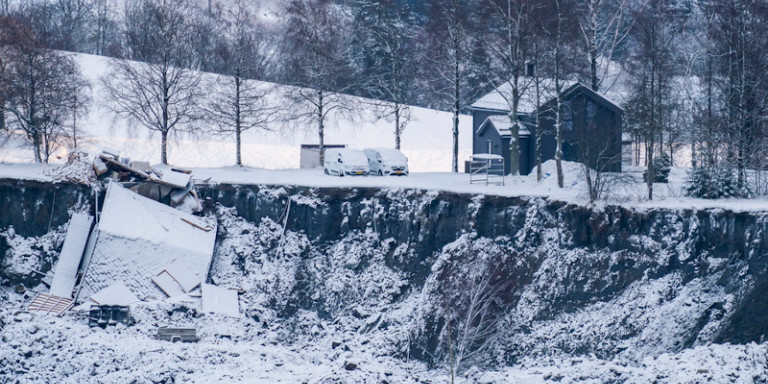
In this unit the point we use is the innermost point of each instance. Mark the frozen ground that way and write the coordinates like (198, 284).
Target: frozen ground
(39, 348)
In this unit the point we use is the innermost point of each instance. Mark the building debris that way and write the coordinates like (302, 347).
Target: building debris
(50, 304)
(220, 300)
(103, 315)
(145, 245)
(177, 279)
(187, 335)
(168, 284)
(171, 186)
(65, 277)
(138, 239)
(77, 170)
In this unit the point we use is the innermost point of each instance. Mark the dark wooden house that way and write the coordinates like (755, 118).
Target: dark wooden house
(592, 128)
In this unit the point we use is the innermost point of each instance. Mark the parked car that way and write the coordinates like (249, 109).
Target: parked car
(345, 161)
(386, 161)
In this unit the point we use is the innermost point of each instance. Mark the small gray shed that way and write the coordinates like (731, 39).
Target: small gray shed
(310, 154)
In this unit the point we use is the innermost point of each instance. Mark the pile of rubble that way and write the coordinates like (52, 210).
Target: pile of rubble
(170, 186)
(144, 245)
(76, 170)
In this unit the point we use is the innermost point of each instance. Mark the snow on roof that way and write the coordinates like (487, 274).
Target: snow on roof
(137, 237)
(187, 279)
(615, 86)
(220, 300)
(500, 99)
(173, 178)
(115, 294)
(503, 125)
(390, 153)
(486, 156)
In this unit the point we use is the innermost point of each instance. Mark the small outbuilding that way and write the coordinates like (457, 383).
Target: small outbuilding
(310, 155)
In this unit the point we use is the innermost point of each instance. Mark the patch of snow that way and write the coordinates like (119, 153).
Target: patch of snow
(116, 294)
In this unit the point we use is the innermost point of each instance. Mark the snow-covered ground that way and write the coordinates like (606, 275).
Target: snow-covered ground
(243, 351)
(427, 139)
(632, 195)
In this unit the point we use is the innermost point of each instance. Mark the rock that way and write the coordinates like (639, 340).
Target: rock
(22, 316)
(335, 344)
(350, 366)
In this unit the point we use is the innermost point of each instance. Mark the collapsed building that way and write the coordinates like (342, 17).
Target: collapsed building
(143, 245)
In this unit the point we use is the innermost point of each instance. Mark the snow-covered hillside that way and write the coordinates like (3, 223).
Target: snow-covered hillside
(427, 140)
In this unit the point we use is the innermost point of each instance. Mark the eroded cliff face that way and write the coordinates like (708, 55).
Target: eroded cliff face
(33, 218)
(389, 265)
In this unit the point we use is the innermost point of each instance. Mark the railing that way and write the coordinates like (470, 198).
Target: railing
(486, 168)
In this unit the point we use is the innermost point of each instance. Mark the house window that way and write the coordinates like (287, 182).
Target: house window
(567, 116)
(591, 110)
(591, 115)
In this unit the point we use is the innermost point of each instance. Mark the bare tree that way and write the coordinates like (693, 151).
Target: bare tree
(388, 44)
(240, 104)
(658, 24)
(78, 104)
(318, 66)
(471, 311)
(745, 83)
(162, 92)
(450, 32)
(510, 49)
(603, 26)
(12, 35)
(43, 91)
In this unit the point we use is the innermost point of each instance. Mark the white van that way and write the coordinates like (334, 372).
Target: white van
(345, 161)
(386, 161)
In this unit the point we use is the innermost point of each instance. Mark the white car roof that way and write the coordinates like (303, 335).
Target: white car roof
(389, 153)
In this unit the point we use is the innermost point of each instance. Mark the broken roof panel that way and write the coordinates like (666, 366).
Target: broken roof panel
(71, 253)
(168, 284)
(187, 279)
(172, 178)
(50, 304)
(139, 237)
(220, 300)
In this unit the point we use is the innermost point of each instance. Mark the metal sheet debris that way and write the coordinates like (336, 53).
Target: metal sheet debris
(65, 277)
(220, 300)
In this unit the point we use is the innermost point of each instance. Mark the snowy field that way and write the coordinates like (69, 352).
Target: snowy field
(427, 139)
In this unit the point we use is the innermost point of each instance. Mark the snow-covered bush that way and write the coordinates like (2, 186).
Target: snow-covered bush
(661, 168)
(713, 183)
